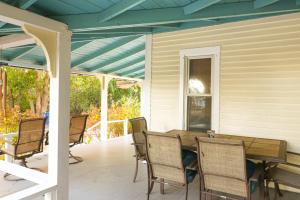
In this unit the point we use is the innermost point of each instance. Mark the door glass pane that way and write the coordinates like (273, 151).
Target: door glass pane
(199, 113)
(199, 76)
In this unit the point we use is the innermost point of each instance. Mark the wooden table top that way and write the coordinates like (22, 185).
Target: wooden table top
(269, 150)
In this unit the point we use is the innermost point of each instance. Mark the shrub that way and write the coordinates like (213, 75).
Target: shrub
(129, 108)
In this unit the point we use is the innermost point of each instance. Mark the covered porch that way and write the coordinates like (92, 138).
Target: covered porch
(250, 88)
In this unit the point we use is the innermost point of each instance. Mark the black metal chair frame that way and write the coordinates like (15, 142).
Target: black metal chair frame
(138, 156)
(77, 158)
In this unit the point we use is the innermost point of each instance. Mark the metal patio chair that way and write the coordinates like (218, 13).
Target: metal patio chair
(139, 127)
(28, 142)
(168, 163)
(76, 133)
(223, 169)
(284, 176)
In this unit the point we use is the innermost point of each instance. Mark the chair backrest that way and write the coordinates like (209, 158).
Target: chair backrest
(139, 127)
(30, 137)
(223, 165)
(77, 128)
(165, 157)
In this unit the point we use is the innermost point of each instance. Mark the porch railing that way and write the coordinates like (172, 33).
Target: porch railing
(94, 131)
(43, 187)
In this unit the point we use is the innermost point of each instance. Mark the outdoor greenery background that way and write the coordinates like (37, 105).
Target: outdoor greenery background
(28, 97)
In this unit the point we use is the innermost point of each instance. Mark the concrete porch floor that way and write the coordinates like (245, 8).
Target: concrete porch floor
(106, 174)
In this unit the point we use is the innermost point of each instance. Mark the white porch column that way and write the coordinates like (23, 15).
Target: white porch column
(59, 121)
(57, 49)
(7, 157)
(146, 84)
(104, 107)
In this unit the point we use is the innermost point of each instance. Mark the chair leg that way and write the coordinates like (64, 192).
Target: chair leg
(262, 189)
(150, 187)
(162, 186)
(200, 188)
(76, 158)
(206, 192)
(151, 183)
(186, 191)
(277, 189)
(267, 190)
(249, 197)
(24, 163)
(136, 169)
(6, 175)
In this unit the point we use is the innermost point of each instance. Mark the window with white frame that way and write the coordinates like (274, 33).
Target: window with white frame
(199, 97)
(198, 94)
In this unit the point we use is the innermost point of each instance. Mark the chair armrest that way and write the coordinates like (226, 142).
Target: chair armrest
(193, 166)
(257, 174)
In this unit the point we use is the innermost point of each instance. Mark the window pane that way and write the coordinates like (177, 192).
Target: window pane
(199, 113)
(200, 76)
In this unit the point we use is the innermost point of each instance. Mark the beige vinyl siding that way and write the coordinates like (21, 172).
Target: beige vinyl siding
(259, 81)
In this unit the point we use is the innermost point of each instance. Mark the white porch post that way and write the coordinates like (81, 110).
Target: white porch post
(104, 107)
(57, 49)
(58, 161)
(146, 84)
(7, 157)
(125, 127)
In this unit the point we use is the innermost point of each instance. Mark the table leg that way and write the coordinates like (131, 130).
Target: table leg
(262, 194)
(162, 186)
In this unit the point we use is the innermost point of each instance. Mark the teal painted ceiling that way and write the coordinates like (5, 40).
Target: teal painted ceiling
(109, 35)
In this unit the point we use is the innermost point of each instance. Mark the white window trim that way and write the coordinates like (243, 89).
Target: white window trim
(209, 52)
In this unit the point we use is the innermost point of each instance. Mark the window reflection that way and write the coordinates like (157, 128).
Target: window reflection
(196, 86)
(199, 115)
(199, 76)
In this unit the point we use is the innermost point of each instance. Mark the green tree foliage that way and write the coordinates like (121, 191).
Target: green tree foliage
(28, 92)
(123, 104)
(117, 96)
(21, 86)
(85, 91)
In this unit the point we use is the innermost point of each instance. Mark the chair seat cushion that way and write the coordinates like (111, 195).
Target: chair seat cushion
(250, 167)
(190, 175)
(188, 157)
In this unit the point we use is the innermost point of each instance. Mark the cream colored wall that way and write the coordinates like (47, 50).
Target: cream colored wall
(259, 82)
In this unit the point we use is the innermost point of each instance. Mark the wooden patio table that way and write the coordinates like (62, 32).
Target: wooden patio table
(262, 149)
(267, 150)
